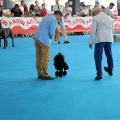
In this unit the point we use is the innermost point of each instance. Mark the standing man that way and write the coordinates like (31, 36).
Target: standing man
(37, 9)
(22, 3)
(102, 31)
(42, 37)
(108, 11)
(61, 23)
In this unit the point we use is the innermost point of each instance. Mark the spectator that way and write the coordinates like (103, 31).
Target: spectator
(68, 10)
(108, 11)
(1, 5)
(16, 11)
(37, 9)
(84, 12)
(8, 14)
(22, 3)
(25, 10)
(92, 11)
(32, 11)
(1, 11)
(43, 11)
(103, 8)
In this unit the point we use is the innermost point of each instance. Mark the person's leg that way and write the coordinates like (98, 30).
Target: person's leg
(45, 51)
(56, 35)
(42, 58)
(62, 26)
(38, 58)
(108, 53)
(98, 57)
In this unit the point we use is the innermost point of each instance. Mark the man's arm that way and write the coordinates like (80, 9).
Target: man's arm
(93, 32)
(106, 11)
(112, 28)
(109, 13)
(53, 26)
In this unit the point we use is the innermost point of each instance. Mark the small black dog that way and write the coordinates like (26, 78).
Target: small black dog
(4, 33)
(60, 65)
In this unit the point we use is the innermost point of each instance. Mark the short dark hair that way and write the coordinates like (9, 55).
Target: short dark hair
(22, 1)
(102, 7)
(43, 4)
(57, 12)
(112, 4)
(16, 5)
(83, 4)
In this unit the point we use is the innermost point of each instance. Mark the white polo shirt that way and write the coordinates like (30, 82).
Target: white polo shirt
(22, 9)
(68, 11)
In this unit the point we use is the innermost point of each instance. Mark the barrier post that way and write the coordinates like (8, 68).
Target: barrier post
(118, 7)
(75, 4)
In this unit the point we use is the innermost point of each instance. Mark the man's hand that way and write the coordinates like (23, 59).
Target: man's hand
(90, 46)
(60, 20)
(66, 16)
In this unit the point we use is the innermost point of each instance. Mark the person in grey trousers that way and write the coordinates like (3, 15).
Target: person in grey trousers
(62, 26)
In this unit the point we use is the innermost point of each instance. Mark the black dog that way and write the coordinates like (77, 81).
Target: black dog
(60, 65)
(4, 33)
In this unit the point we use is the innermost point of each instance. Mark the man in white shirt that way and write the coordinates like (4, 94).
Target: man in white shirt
(68, 10)
(62, 26)
(102, 35)
(22, 3)
(108, 11)
(85, 11)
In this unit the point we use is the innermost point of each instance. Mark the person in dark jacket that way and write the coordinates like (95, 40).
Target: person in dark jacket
(16, 12)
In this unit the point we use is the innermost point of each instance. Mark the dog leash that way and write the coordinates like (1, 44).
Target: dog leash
(59, 43)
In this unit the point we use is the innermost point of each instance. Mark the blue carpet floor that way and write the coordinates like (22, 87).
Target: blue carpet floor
(76, 96)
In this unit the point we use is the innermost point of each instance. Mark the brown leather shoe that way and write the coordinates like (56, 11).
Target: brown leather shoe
(98, 77)
(106, 69)
(47, 78)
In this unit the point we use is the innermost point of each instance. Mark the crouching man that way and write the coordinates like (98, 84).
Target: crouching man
(42, 37)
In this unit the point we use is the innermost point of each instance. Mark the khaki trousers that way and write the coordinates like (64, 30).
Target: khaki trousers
(42, 58)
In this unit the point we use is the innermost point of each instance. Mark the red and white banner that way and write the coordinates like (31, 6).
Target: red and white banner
(22, 25)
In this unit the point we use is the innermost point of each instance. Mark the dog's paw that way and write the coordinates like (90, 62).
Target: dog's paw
(60, 74)
(56, 73)
(64, 73)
